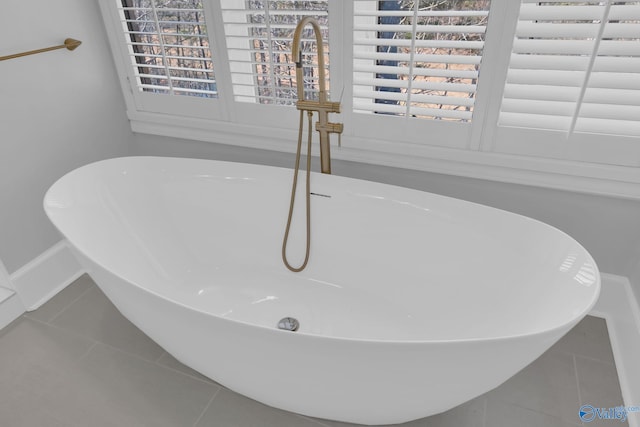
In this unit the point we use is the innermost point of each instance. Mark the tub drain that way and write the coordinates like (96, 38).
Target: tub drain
(288, 324)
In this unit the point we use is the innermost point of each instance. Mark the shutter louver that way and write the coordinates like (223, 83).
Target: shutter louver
(574, 68)
(418, 58)
(259, 34)
(168, 46)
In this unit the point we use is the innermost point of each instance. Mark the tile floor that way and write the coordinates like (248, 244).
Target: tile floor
(77, 362)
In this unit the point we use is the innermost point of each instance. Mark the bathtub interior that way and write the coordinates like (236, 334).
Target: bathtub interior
(387, 263)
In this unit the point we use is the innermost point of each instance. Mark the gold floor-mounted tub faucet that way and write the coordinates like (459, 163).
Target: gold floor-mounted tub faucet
(323, 106)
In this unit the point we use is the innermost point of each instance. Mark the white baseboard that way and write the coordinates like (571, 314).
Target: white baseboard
(10, 307)
(618, 305)
(46, 275)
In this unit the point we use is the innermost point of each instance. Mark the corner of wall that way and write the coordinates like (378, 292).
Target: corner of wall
(40, 279)
(10, 305)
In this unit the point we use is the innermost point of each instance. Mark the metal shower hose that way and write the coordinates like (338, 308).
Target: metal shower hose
(293, 195)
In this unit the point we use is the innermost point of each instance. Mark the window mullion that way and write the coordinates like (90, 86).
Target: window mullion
(414, 35)
(162, 47)
(215, 31)
(587, 74)
(270, 62)
(341, 54)
(495, 65)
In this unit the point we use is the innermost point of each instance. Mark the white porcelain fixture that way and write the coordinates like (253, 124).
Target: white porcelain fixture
(412, 303)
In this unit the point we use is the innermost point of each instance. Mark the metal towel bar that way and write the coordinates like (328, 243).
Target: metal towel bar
(70, 44)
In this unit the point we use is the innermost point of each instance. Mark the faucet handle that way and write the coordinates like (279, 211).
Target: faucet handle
(330, 127)
(334, 107)
(335, 127)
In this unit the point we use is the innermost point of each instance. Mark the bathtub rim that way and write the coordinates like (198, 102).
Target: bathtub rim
(561, 326)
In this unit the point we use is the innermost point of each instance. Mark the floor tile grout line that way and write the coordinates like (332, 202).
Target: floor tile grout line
(159, 365)
(206, 408)
(209, 381)
(161, 355)
(60, 328)
(86, 354)
(593, 359)
(571, 353)
(121, 350)
(71, 303)
(537, 411)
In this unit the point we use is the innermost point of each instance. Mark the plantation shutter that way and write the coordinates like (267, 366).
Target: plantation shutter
(574, 68)
(168, 47)
(418, 58)
(259, 34)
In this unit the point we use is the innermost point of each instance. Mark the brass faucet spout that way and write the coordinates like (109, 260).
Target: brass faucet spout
(323, 106)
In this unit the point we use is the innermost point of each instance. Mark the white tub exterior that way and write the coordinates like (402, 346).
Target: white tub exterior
(412, 303)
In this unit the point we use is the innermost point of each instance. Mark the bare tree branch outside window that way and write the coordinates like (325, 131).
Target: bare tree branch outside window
(435, 29)
(271, 38)
(171, 47)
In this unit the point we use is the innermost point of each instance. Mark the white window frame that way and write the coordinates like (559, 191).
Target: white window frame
(570, 145)
(148, 102)
(479, 149)
(403, 128)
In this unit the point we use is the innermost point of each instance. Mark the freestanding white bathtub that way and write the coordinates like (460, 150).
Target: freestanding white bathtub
(412, 303)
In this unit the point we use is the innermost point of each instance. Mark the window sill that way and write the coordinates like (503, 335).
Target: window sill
(588, 178)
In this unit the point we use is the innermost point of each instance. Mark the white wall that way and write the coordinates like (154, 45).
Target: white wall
(58, 110)
(608, 227)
